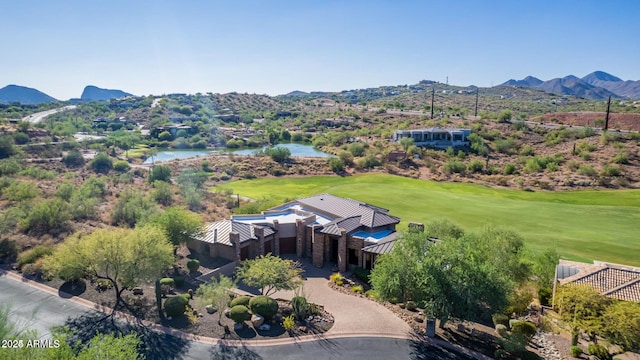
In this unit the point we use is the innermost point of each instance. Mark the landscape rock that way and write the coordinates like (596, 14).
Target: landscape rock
(257, 320)
(264, 327)
(211, 309)
(137, 291)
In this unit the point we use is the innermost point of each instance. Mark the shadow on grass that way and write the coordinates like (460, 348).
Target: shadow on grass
(154, 345)
(226, 352)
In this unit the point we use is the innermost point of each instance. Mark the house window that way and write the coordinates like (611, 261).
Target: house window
(353, 257)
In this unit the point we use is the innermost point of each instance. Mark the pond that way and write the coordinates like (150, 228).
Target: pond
(297, 150)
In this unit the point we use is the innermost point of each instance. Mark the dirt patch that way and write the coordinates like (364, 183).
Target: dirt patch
(622, 121)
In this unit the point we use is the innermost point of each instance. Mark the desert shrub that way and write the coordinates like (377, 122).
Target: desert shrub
(133, 207)
(49, 216)
(73, 159)
(336, 165)
(300, 307)
(505, 146)
(162, 193)
(101, 163)
(358, 289)
(585, 146)
(187, 296)
(8, 249)
(526, 151)
(368, 162)
(240, 300)
(32, 255)
(346, 157)
(356, 149)
(278, 153)
(453, 166)
(167, 282)
(362, 274)
(621, 158)
(501, 330)
(500, 319)
(175, 306)
(607, 137)
(525, 328)
(586, 132)
(121, 166)
(83, 208)
(573, 165)
(575, 351)
(509, 169)
(372, 293)
(599, 351)
(264, 306)
(552, 167)
(288, 323)
(37, 173)
(65, 191)
(411, 306)
(21, 191)
(7, 147)
(532, 165)
(193, 265)
(9, 166)
(587, 170)
(160, 173)
(610, 170)
(179, 280)
(239, 314)
(520, 126)
(544, 295)
(475, 166)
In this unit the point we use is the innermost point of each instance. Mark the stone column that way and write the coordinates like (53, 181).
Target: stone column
(234, 238)
(417, 227)
(361, 259)
(318, 251)
(342, 251)
(259, 231)
(299, 237)
(275, 242)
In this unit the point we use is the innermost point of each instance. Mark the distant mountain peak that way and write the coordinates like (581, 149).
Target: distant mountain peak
(530, 81)
(600, 76)
(94, 93)
(23, 95)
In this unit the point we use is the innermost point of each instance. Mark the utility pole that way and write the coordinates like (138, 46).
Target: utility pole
(606, 119)
(476, 112)
(433, 95)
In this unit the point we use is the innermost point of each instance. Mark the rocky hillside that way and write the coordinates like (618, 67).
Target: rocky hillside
(94, 93)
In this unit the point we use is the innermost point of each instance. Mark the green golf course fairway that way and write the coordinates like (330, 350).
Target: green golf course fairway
(580, 225)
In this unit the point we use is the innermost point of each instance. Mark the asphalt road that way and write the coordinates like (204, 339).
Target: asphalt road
(37, 117)
(35, 309)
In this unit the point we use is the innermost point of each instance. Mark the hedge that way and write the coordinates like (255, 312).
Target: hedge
(264, 306)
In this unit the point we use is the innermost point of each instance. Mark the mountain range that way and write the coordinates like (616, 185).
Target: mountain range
(598, 85)
(26, 95)
(23, 95)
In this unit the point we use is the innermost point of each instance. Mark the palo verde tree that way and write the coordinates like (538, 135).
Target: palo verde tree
(179, 225)
(215, 293)
(270, 273)
(123, 257)
(582, 308)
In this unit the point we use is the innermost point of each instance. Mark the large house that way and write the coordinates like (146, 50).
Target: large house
(612, 280)
(326, 228)
(435, 137)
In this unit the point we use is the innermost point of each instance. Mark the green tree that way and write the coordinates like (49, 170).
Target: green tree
(179, 225)
(406, 143)
(165, 136)
(162, 193)
(101, 163)
(622, 324)
(47, 217)
(133, 207)
(160, 173)
(505, 116)
(278, 153)
(270, 273)
(582, 307)
(216, 293)
(73, 159)
(7, 147)
(336, 165)
(123, 257)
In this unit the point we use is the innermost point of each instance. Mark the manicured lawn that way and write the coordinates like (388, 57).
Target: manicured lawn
(581, 225)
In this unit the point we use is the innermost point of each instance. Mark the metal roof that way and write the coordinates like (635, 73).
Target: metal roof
(224, 227)
(348, 224)
(345, 209)
(384, 245)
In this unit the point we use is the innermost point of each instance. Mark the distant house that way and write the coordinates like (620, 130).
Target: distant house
(435, 137)
(325, 228)
(612, 280)
(336, 122)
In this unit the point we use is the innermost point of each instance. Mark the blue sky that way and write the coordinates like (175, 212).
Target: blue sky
(273, 47)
